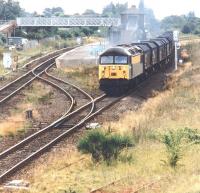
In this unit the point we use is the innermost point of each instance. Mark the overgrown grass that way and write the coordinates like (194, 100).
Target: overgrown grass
(42, 48)
(36, 95)
(87, 77)
(172, 110)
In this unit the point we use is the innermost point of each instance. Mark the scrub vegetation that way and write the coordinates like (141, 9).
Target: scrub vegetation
(165, 155)
(86, 77)
(36, 96)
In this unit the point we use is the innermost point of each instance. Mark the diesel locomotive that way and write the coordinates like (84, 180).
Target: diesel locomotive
(123, 66)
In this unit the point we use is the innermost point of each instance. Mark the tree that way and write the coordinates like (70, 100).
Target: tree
(64, 34)
(55, 11)
(90, 12)
(112, 10)
(186, 29)
(2, 39)
(173, 22)
(191, 14)
(40, 32)
(9, 10)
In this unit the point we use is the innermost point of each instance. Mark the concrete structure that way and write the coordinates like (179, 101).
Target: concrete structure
(81, 56)
(131, 28)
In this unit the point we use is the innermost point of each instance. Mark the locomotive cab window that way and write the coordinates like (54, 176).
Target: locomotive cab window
(121, 59)
(107, 60)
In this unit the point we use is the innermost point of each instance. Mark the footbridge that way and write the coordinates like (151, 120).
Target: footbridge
(67, 21)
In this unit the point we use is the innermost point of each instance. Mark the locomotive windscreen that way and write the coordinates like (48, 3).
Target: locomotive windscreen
(113, 59)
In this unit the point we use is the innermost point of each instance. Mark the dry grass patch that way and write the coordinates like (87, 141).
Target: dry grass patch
(81, 175)
(78, 173)
(84, 76)
(175, 108)
(16, 121)
(12, 125)
(178, 107)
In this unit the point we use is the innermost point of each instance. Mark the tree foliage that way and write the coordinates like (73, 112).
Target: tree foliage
(185, 23)
(90, 12)
(55, 11)
(173, 22)
(9, 10)
(103, 146)
(39, 33)
(114, 10)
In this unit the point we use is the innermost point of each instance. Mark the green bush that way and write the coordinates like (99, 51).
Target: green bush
(173, 141)
(103, 146)
(176, 142)
(92, 144)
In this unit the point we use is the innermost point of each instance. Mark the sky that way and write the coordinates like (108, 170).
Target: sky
(162, 8)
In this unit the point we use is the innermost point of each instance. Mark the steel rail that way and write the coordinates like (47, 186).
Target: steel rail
(23, 142)
(29, 73)
(74, 86)
(46, 147)
(4, 99)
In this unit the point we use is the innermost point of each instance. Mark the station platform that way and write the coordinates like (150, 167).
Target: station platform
(86, 55)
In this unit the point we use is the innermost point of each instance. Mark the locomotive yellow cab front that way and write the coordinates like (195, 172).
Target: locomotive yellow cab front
(116, 68)
(114, 72)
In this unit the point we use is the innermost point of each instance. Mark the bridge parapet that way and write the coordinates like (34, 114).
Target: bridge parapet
(67, 22)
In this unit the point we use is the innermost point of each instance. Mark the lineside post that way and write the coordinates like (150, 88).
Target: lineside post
(177, 46)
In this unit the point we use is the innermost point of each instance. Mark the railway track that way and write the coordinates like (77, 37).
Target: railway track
(12, 88)
(79, 95)
(46, 135)
(17, 156)
(22, 153)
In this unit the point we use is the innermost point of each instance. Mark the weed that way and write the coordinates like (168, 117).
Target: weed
(67, 191)
(45, 98)
(192, 135)
(104, 146)
(10, 134)
(176, 141)
(21, 131)
(126, 156)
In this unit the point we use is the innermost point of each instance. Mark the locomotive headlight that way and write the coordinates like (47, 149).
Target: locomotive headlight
(113, 67)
